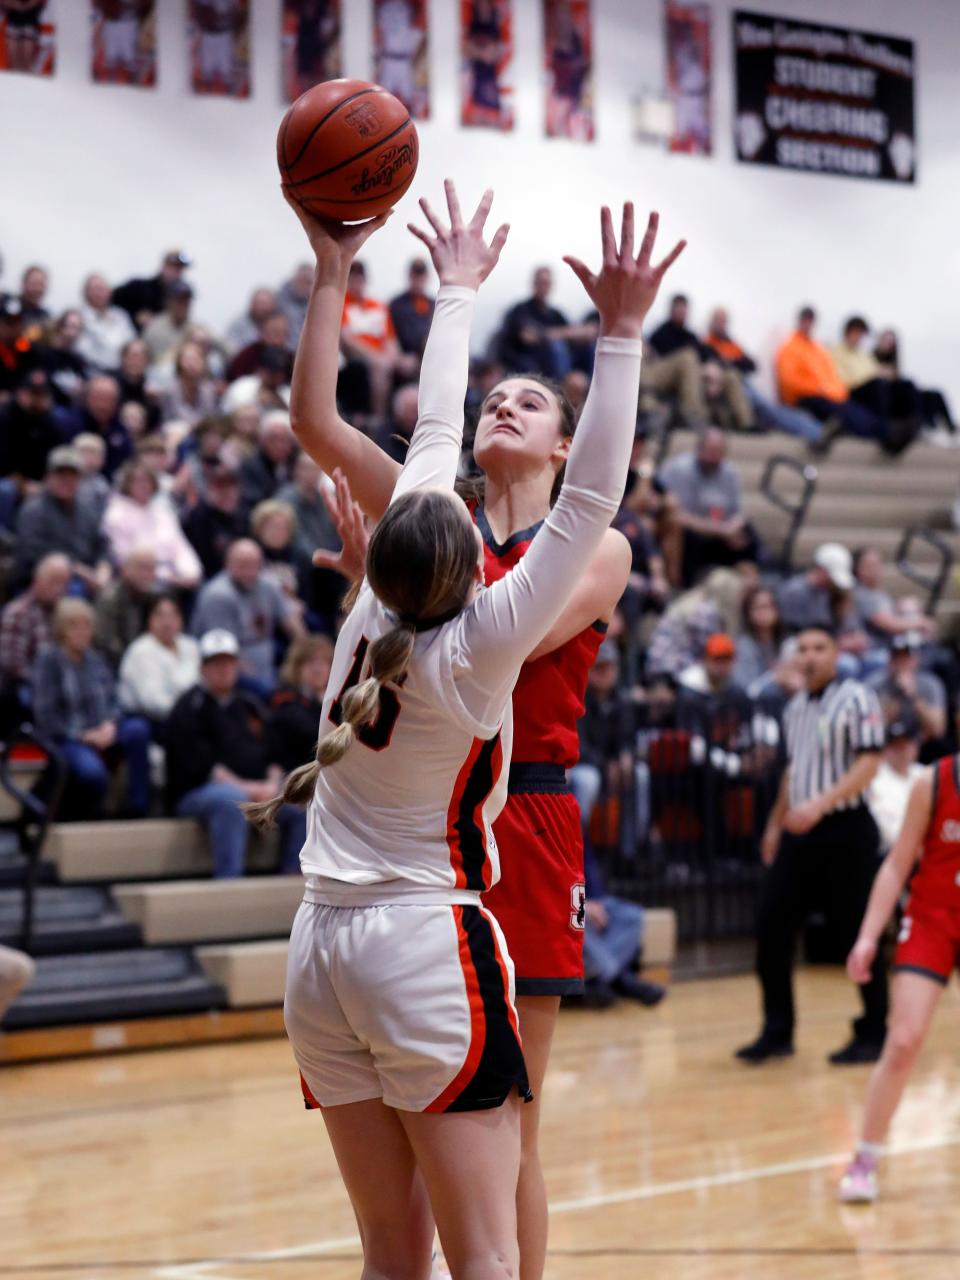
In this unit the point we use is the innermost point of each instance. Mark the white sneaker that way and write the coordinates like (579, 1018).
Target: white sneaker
(859, 1184)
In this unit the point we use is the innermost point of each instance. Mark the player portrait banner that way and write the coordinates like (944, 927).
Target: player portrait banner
(400, 52)
(689, 65)
(823, 99)
(486, 45)
(310, 47)
(123, 47)
(218, 33)
(28, 37)
(568, 58)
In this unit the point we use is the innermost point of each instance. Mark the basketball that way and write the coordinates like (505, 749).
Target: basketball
(347, 150)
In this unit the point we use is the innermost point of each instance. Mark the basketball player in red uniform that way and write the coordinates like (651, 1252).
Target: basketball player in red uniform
(522, 441)
(928, 951)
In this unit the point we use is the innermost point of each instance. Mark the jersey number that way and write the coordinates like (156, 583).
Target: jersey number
(376, 733)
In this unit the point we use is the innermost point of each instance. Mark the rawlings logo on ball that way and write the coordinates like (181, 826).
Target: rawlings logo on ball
(390, 162)
(364, 118)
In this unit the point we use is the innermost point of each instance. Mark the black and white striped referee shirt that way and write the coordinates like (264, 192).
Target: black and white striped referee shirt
(826, 732)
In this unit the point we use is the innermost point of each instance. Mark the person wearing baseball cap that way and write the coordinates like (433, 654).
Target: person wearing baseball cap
(143, 298)
(29, 430)
(57, 519)
(220, 756)
(910, 691)
(815, 597)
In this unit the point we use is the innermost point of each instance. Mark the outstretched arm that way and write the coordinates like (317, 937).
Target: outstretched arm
(512, 617)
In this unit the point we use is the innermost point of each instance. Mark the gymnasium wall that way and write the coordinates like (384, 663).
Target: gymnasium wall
(107, 177)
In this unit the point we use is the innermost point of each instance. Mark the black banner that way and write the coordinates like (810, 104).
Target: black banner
(823, 99)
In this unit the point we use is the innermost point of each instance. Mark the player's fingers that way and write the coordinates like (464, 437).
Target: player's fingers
(483, 208)
(327, 560)
(582, 272)
(649, 238)
(331, 503)
(671, 258)
(429, 241)
(453, 204)
(607, 238)
(626, 233)
(499, 239)
(431, 217)
(374, 224)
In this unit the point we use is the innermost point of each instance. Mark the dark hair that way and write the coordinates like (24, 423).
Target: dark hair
(679, 297)
(421, 561)
(807, 313)
(828, 628)
(747, 605)
(163, 597)
(859, 554)
(472, 488)
(856, 322)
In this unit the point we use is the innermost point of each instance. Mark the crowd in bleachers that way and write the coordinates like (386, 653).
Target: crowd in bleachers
(158, 525)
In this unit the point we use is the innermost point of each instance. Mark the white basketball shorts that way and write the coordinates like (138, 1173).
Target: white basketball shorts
(412, 1004)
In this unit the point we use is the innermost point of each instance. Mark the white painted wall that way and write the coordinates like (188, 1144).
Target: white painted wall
(107, 177)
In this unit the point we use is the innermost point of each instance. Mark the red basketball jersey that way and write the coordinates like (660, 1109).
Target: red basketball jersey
(937, 879)
(548, 696)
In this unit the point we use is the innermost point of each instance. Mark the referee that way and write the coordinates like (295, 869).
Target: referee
(821, 845)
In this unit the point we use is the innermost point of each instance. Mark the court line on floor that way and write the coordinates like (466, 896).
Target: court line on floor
(626, 1195)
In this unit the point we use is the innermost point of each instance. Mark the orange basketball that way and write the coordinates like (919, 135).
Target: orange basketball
(347, 149)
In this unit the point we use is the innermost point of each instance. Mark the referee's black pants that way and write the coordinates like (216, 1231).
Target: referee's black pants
(829, 870)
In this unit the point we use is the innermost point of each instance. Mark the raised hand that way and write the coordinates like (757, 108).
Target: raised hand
(626, 287)
(335, 244)
(459, 252)
(349, 523)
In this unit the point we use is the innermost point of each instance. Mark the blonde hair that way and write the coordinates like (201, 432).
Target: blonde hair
(299, 654)
(266, 510)
(70, 609)
(421, 563)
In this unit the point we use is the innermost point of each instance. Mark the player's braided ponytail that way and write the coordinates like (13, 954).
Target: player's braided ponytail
(421, 563)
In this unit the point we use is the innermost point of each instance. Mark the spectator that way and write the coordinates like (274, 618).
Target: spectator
(99, 415)
(167, 331)
(872, 385)
(412, 311)
(759, 639)
(57, 355)
(673, 335)
(29, 430)
(106, 328)
(33, 291)
(726, 401)
(267, 388)
(899, 769)
(95, 488)
(535, 337)
(142, 299)
(26, 623)
(274, 332)
(55, 519)
(682, 632)
(133, 383)
(121, 610)
(273, 526)
(134, 518)
(395, 436)
(768, 414)
(271, 467)
(295, 708)
(75, 706)
(244, 601)
(808, 379)
(293, 297)
(15, 353)
(875, 607)
(648, 586)
(612, 946)
(218, 759)
(933, 406)
(246, 328)
(160, 665)
(905, 690)
(216, 520)
(314, 526)
(816, 597)
(707, 489)
(370, 347)
(192, 395)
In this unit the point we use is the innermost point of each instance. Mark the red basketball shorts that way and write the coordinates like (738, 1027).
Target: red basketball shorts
(929, 941)
(539, 899)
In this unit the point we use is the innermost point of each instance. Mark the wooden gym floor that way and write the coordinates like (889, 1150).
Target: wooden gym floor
(664, 1157)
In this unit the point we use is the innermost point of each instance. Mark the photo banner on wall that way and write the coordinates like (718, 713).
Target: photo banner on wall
(310, 47)
(568, 58)
(218, 35)
(123, 48)
(486, 44)
(400, 52)
(689, 65)
(28, 37)
(824, 99)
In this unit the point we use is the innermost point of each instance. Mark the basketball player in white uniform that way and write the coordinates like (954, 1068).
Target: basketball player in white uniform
(216, 19)
(400, 41)
(399, 1001)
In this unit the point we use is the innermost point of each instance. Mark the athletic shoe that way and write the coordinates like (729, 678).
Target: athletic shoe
(597, 995)
(859, 1183)
(856, 1054)
(764, 1047)
(634, 988)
